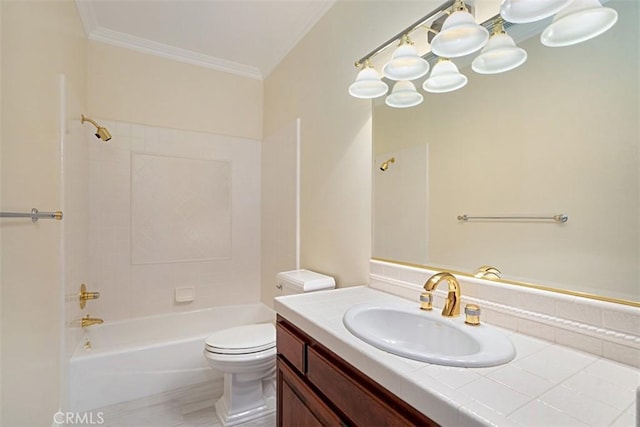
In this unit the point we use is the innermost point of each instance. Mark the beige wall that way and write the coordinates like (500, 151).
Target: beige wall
(139, 88)
(40, 41)
(311, 83)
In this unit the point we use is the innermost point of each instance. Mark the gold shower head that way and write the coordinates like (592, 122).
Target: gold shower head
(385, 165)
(101, 132)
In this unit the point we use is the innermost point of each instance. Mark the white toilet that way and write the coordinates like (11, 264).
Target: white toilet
(247, 357)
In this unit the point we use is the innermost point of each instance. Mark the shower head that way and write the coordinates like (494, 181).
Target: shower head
(101, 132)
(385, 165)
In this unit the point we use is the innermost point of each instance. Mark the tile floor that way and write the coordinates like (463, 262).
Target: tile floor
(185, 407)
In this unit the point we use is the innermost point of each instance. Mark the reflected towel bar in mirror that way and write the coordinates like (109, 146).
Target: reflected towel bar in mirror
(555, 218)
(34, 215)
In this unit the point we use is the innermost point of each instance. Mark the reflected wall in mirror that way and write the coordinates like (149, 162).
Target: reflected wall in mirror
(560, 134)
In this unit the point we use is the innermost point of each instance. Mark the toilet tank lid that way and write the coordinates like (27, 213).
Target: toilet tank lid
(305, 280)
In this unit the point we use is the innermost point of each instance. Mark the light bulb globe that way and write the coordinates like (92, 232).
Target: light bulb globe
(460, 35)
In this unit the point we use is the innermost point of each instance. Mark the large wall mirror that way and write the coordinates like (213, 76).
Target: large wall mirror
(558, 135)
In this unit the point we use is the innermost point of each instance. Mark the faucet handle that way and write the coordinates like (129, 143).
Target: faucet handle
(472, 314)
(426, 301)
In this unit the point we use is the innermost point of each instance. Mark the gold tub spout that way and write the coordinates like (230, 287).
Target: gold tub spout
(89, 321)
(452, 303)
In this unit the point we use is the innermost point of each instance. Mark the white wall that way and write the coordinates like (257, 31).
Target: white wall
(155, 225)
(40, 41)
(311, 83)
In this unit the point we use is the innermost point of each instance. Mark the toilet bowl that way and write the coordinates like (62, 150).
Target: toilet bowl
(246, 355)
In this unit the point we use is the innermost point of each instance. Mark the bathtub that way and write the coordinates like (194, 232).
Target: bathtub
(141, 357)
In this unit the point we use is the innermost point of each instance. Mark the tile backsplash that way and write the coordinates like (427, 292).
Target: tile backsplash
(169, 209)
(602, 328)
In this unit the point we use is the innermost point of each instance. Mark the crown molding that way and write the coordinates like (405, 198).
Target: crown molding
(104, 35)
(139, 44)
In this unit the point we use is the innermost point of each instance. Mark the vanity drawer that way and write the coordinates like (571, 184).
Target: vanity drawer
(291, 346)
(364, 401)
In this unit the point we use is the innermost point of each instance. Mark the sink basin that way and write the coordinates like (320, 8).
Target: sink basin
(427, 336)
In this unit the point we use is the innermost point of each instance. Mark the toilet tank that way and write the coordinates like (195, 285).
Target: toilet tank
(300, 281)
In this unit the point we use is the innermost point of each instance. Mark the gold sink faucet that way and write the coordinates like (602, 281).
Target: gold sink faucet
(452, 303)
(88, 321)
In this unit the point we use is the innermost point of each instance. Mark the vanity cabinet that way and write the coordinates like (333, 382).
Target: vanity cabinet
(318, 388)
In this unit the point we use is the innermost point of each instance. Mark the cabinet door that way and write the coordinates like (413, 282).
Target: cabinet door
(298, 405)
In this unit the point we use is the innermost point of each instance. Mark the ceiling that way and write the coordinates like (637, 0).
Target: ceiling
(244, 37)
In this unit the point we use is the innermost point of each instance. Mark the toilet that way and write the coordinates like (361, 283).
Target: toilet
(246, 355)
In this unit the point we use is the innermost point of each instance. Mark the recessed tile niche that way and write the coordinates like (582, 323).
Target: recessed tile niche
(180, 209)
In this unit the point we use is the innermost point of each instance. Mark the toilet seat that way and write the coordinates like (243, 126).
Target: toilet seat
(246, 339)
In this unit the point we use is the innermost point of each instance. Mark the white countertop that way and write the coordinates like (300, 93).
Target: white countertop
(545, 385)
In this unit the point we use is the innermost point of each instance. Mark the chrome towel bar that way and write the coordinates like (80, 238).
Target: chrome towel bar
(556, 218)
(34, 215)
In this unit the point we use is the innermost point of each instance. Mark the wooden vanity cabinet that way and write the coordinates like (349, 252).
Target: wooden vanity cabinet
(318, 388)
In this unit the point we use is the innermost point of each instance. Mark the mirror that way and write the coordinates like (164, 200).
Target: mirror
(558, 135)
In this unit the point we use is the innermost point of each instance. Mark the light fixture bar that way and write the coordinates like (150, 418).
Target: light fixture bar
(429, 56)
(489, 24)
(410, 29)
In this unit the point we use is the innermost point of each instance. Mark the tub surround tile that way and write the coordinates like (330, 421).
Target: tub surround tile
(113, 198)
(529, 391)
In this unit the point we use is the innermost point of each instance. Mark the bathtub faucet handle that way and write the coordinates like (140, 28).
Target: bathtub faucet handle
(89, 321)
(85, 296)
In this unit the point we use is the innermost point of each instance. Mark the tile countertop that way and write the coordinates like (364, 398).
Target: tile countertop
(545, 385)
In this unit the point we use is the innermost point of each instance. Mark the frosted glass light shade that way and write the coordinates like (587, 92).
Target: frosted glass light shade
(445, 77)
(499, 55)
(404, 95)
(368, 84)
(580, 21)
(522, 11)
(405, 64)
(460, 35)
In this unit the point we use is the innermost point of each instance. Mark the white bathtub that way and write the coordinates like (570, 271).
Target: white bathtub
(145, 356)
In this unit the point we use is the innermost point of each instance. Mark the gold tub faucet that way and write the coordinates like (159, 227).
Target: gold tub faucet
(452, 303)
(88, 321)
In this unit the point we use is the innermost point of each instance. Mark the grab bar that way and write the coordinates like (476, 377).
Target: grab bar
(34, 215)
(556, 218)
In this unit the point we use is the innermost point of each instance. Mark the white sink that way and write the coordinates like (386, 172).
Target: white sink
(427, 336)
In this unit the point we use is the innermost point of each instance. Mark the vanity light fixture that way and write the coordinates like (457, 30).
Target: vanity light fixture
(500, 53)
(581, 20)
(368, 83)
(404, 95)
(406, 63)
(445, 77)
(460, 34)
(523, 11)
